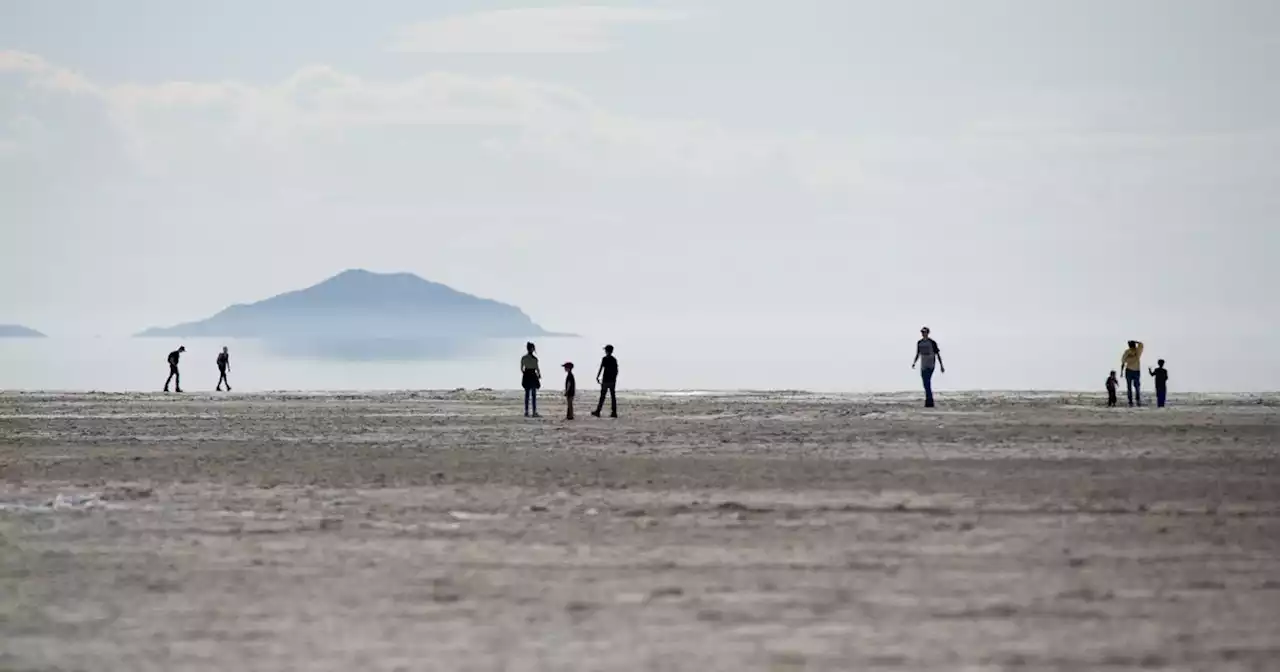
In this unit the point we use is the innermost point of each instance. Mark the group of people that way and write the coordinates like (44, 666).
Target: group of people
(1131, 364)
(224, 366)
(531, 381)
(928, 357)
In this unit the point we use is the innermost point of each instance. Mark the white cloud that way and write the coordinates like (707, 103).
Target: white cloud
(44, 74)
(315, 120)
(552, 30)
(168, 125)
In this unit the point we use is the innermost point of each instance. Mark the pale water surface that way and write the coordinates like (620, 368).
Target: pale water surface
(825, 363)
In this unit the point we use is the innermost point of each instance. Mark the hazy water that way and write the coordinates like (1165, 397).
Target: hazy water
(829, 363)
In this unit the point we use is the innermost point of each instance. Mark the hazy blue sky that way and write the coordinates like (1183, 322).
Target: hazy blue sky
(1105, 166)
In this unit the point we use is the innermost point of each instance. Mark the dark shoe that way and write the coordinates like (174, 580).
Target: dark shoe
(178, 390)
(536, 415)
(595, 414)
(613, 415)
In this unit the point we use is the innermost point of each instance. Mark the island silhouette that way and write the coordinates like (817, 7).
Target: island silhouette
(18, 331)
(359, 314)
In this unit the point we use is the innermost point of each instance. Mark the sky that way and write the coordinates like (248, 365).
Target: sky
(1100, 169)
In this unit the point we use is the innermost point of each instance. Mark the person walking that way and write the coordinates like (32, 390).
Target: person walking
(531, 380)
(224, 365)
(173, 370)
(1112, 384)
(927, 353)
(607, 376)
(1131, 362)
(1161, 375)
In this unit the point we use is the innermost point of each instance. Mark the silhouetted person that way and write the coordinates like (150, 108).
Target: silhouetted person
(570, 390)
(1162, 382)
(607, 376)
(224, 365)
(927, 353)
(173, 369)
(1113, 384)
(531, 380)
(1131, 362)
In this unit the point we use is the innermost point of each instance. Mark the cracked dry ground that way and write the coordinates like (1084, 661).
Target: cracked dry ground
(750, 532)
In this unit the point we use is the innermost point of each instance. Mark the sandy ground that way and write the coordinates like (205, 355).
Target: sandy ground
(440, 531)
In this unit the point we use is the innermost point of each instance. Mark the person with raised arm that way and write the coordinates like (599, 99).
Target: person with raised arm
(1131, 362)
(1161, 375)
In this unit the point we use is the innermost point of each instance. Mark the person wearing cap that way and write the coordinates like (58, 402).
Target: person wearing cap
(607, 376)
(927, 353)
(570, 390)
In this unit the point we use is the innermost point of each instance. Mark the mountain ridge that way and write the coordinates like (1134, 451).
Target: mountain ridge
(358, 303)
(19, 331)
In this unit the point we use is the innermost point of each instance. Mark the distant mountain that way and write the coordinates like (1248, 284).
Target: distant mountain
(18, 331)
(359, 304)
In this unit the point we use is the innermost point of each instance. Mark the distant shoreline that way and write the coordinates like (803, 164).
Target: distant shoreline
(905, 395)
(344, 337)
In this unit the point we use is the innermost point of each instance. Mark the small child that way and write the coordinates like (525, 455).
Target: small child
(570, 389)
(1162, 382)
(1112, 384)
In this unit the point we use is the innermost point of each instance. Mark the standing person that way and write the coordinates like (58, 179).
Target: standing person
(173, 370)
(1131, 362)
(1162, 382)
(607, 376)
(531, 380)
(570, 389)
(224, 365)
(1112, 384)
(926, 353)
